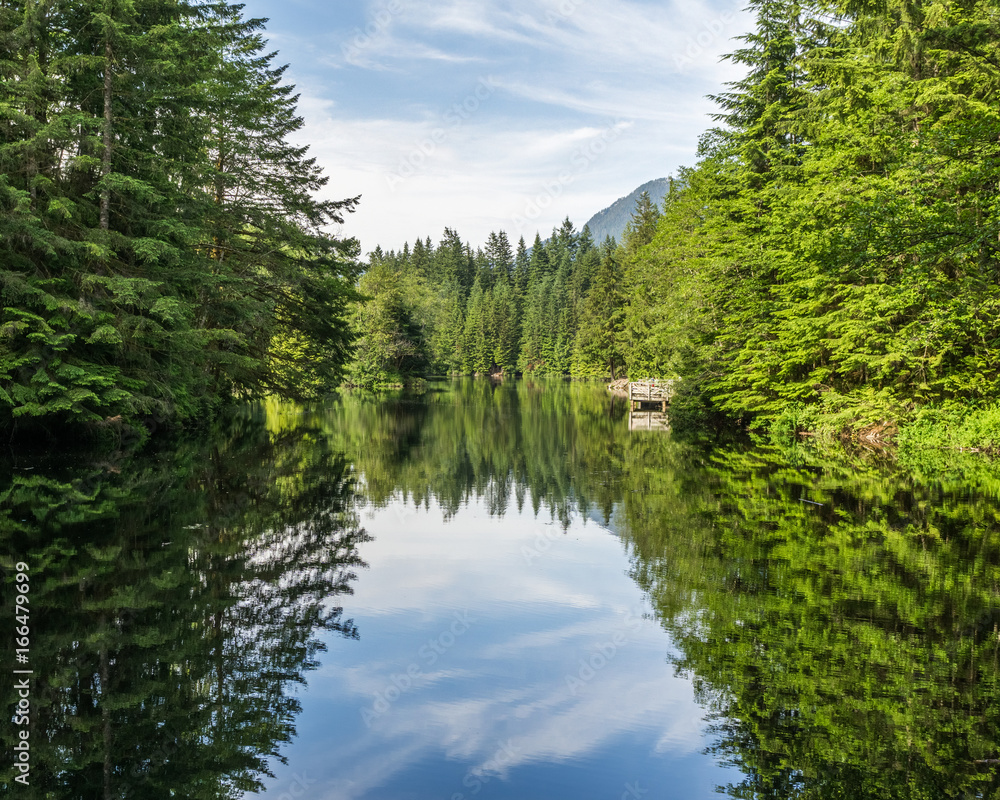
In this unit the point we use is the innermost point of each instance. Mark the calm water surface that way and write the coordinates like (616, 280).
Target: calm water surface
(499, 591)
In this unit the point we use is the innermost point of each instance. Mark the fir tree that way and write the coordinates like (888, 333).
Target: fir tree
(477, 345)
(599, 346)
(506, 326)
(522, 269)
(160, 250)
(540, 265)
(499, 256)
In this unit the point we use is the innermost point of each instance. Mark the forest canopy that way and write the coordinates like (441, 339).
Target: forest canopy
(552, 309)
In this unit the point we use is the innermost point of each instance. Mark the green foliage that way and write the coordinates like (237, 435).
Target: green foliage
(390, 345)
(160, 247)
(599, 349)
(554, 309)
(837, 616)
(477, 355)
(834, 250)
(953, 426)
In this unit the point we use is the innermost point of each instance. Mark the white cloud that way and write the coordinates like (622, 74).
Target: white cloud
(481, 175)
(545, 721)
(560, 69)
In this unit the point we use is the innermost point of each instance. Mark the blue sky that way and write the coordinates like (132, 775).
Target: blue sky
(486, 115)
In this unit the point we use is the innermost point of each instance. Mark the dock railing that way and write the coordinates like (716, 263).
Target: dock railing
(651, 391)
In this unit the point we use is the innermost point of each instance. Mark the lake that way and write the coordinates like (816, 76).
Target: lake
(498, 591)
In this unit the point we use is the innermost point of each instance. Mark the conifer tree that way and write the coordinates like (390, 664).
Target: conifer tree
(452, 262)
(499, 256)
(540, 265)
(422, 258)
(759, 110)
(565, 240)
(522, 269)
(477, 350)
(585, 242)
(599, 346)
(267, 230)
(561, 311)
(537, 326)
(642, 226)
(483, 269)
(160, 250)
(506, 326)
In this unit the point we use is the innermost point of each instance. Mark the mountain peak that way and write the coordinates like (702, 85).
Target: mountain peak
(613, 219)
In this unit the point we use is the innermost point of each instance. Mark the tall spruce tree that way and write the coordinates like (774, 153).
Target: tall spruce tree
(506, 325)
(537, 325)
(279, 287)
(133, 283)
(477, 349)
(522, 268)
(499, 255)
(599, 346)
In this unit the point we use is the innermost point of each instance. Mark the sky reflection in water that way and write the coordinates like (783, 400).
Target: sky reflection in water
(498, 658)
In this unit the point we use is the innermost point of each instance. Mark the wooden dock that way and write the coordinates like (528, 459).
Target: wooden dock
(650, 393)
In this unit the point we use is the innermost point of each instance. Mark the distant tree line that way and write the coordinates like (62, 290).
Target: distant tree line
(556, 308)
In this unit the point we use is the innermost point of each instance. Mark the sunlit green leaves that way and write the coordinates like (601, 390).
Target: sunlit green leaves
(837, 247)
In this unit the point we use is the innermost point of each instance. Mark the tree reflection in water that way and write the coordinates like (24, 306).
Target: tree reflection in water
(176, 598)
(838, 614)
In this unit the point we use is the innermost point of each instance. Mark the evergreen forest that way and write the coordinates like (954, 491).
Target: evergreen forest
(829, 263)
(161, 245)
(553, 309)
